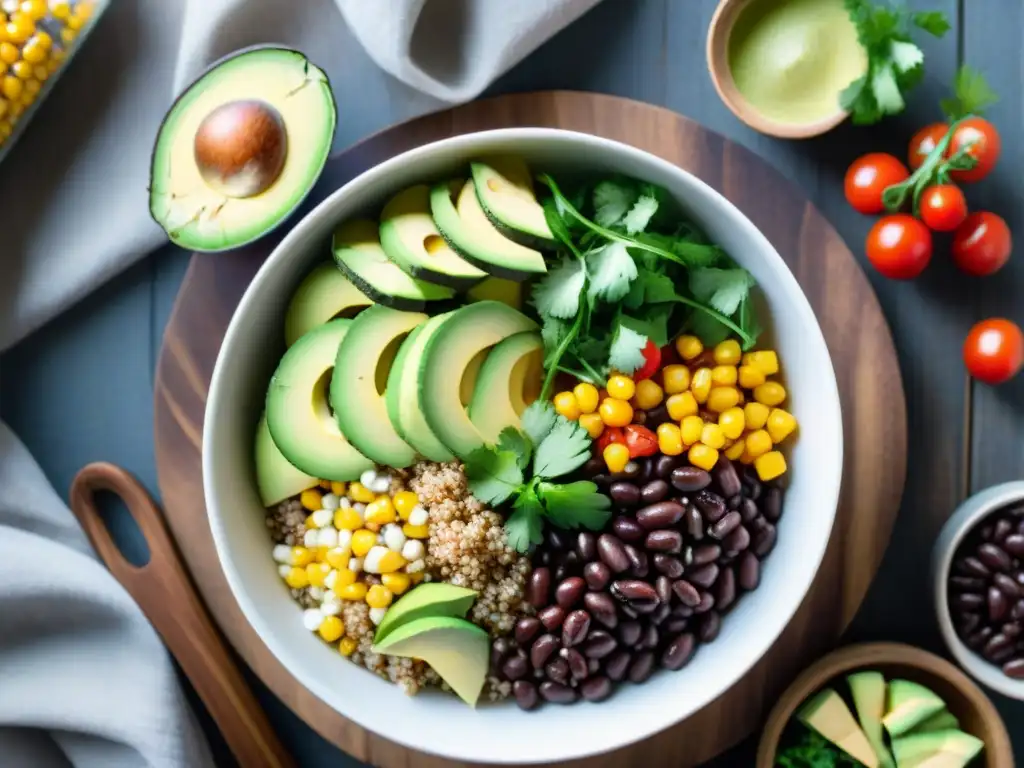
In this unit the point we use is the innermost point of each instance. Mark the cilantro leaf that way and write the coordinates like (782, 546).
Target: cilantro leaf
(556, 223)
(626, 354)
(722, 289)
(538, 420)
(565, 448)
(972, 94)
(905, 56)
(512, 440)
(933, 22)
(611, 271)
(493, 475)
(557, 294)
(525, 526)
(612, 201)
(575, 505)
(886, 90)
(658, 288)
(686, 249)
(708, 329)
(552, 333)
(640, 214)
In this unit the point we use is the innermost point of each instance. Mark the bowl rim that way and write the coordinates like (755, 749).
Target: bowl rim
(469, 142)
(968, 515)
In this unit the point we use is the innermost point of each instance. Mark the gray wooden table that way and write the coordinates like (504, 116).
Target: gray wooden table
(81, 389)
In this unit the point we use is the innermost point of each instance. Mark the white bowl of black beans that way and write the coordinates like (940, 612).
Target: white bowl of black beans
(978, 571)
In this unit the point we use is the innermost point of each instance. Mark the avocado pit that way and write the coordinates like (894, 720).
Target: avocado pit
(240, 148)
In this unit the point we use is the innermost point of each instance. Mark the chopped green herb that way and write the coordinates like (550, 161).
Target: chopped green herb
(493, 474)
(972, 94)
(565, 448)
(611, 270)
(558, 293)
(575, 505)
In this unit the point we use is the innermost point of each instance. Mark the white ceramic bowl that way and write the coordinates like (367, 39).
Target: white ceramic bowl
(439, 723)
(970, 514)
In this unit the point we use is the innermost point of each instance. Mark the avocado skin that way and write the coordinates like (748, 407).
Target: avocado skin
(523, 238)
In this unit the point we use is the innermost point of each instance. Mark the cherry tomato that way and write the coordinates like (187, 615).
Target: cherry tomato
(640, 441)
(994, 350)
(652, 361)
(984, 146)
(609, 436)
(943, 207)
(868, 177)
(899, 246)
(982, 244)
(923, 142)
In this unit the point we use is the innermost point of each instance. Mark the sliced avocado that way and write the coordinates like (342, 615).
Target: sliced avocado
(436, 598)
(240, 148)
(497, 289)
(868, 690)
(463, 336)
(471, 234)
(826, 713)
(909, 704)
(942, 720)
(276, 478)
(411, 240)
(357, 252)
(325, 293)
(364, 360)
(504, 188)
(458, 650)
(937, 749)
(298, 415)
(403, 392)
(509, 380)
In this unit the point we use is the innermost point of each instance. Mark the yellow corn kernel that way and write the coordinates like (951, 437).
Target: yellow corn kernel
(11, 87)
(586, 397)
(3, 108)
(615, 413)
(770, 393)
(337, 557)
(61, 10)
(347, 519)
(28, 95)
(378, 596)
(302, 556)
(566, 405)
(22, 69)
(734, 451)
(750, 376)
(616, 456)
(398, 583)
(359, 492)
(321, 554)
(347, 646)
(405, 502)
(390, 562)
(316, 573)
(676, 378)
(593, 424)
(19, 30)
(416, 531)
(75, 22)
(758, 443)
(766, 360)
(417, 578)
(363, 541)
(681, 405)
(723, 398)
(331, 629)
(703, 456)
(325, 484)
(8, 52)
(5, 130)
(648, 394)
(689, 347)
(356, 591)
(344, 578)
(296, 578)
(670, 439)
(780, 424)
(34, 9)
(732, 423)
(712, 436)
(380, 511)
(724, 376)
(770, 465)
(620, 387)
(700, 384)
(42, 39)
(33, 54)
(756, 415)
(338, 489)
(690, 429)
(311, 499)
(728, 352)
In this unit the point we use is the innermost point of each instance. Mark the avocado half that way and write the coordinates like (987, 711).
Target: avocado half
(240, 148)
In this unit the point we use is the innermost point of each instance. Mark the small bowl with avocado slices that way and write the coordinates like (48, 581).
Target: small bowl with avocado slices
(365, 390)
(884, 705)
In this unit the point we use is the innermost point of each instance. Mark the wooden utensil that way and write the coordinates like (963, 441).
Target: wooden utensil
(167, 597)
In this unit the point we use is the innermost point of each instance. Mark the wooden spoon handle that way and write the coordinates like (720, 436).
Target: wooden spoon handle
(165, 593)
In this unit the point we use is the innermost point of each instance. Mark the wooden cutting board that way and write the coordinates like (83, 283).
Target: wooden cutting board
(874, 410)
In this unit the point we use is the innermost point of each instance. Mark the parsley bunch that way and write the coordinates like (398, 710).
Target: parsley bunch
(555, 447)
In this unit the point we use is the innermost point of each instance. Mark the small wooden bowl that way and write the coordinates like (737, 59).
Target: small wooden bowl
(977, 714)
(722, 23)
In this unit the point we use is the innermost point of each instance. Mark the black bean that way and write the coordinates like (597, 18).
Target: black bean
(1017, 612)
(663, 586)
(595, 466)
(597, 688)
(629, 633)
(704, 554)
(998, 605)
(570, 591)
(725, 589)
(661, 613)
(554, 539)
(645, 607)
(551, 617)
(764, 540)
(627, 529)
(995, 558)
(539, 587)
(1018, 576)
(1014, 668)
(597, 575)
(624, 493)
(612, 553)
(631, 471)
(617, 664)
(694, 523)
(515, 667)
(649, 639)
(986, 533)
(579, 668)
(586, 546)
(748, 510)
(737, 541)
(642, 667)
(653, 492)
(558, 670)
(1002, 529)
(525, 693)
(972, 566)
(628, 612)
(690, 479)
(634, 591)
(708, 626)
(771, 505)
(663, 465)
(682, 611)
(1012, 630)
(687, 593)
(704, 576)
(1014, 544)
(1006, 585)
(967, 601)
(500, 648)
(707, 602)
(729, 523)
(560, 572)
(971, 584)
(556, 693)
(998, 648)
(575, 628)
(725, 476)
(733, 502)
(979, 638)
(674, 625)
(752, 486)
(967, 623)
(542, 649)
(668, 565)
(749, 575)
(638, 564)
(527, 628)
(599, 645)
(601, 608)
(711, 506)
(664, 541)
(664, 514)
(678, 652)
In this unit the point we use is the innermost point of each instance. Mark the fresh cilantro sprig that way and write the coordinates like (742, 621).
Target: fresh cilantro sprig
(808, 749)
(895, 62)
(552, 446)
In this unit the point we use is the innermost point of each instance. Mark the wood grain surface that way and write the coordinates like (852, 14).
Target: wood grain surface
(874, 410)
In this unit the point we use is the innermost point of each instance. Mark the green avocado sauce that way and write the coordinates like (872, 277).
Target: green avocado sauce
(791, 58)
